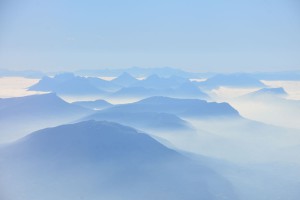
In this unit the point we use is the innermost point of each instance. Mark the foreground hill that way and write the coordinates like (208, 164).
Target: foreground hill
(103, 160)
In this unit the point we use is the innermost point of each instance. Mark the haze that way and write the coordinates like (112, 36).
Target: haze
(224, 36)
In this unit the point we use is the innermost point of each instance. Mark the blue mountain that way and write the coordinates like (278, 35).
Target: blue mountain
(66, 84)
(125, 80)
(180, 107)
(231, 80)
(134, 92)
(279, 92)
(142, 120)
(184, 90)
(93, 105)
(69, 84)
(22, 115)
(103, 160)
(139, 72)
(156, 82)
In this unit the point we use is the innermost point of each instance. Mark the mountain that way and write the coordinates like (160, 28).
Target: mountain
(267, 102)
(142, 120)
(92, 160)
(231, 80)
(93, 105)
(279, 92)
(134, 92)
(21, 115)
(139, 72)
(66, 84)
(181, 107)
(184, 90)
(69, 84)
(278, 76)
(103, 85)
(156, 82)
(124, 80)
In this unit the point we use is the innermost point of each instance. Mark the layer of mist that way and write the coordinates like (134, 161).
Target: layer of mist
(228, 136)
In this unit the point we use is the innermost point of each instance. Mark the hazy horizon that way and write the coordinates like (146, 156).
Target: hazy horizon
(200, 36)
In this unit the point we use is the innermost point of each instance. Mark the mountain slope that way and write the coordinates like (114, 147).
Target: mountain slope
(21, 115)
(185, 90)
(93, 105)
(68, 84)
(180, 107)
(279, 92)
(156, 82)
(142, 120)
(124, 80)
(231, 80)
(93, 160)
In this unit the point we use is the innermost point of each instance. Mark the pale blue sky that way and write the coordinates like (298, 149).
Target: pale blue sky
(197, 35)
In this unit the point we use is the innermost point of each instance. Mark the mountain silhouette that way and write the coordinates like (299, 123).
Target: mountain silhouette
(69, 84)
(66, 84)
(231, 80)
(180, 107)
(91, 160)
(156, 82)
(142, 120)
(184, 90)
(279, 92)
(22, 115)
(125, 80)
(93, 105)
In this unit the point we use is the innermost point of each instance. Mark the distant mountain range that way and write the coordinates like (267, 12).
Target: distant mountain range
(160, 71)
(279, 92)
(94, 105)
(181, 107)
(124, 86)
(140, 72)
(163, 113)
(124, 80)
(92, 159)
(147, 121)
(186, 90)
(156, 82)
(238, 80)
(69, 84)
(275, 107)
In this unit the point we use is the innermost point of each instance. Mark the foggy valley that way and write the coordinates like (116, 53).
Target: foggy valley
(225, 141)
(150, 100)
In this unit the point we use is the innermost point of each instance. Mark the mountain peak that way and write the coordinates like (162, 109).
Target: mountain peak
(279, 91)
(102, 158)
(153, 77)
(125, 79)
